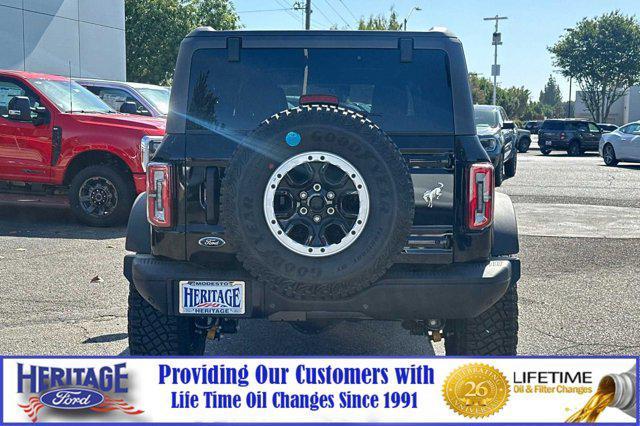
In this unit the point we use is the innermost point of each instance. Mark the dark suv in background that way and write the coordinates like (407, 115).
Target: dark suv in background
(533, 126)
(575, 136)
(498, 136)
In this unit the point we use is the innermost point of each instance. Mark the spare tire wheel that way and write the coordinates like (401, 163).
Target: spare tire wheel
(317, 202)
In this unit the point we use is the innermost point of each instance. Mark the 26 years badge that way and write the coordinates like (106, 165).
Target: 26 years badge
(476, 390)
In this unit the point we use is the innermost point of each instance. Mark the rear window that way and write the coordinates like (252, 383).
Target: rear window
(553, 125)
(400, 97)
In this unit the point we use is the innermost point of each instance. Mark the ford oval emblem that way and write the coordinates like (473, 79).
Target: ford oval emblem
(211, 242)
(72, 398)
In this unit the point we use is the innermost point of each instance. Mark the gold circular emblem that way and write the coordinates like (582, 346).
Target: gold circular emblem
(476, 390)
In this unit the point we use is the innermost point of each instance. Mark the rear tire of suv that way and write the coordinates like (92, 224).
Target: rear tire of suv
(494, 332)
(154, 333)
(305, 153)
(101, 196)
(609, 155)
(511, 166)
(574, 149)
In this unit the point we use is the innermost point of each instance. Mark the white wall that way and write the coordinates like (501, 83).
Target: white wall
(51, 35)
(622, 111)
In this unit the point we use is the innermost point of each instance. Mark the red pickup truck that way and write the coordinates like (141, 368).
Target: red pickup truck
(57, 138)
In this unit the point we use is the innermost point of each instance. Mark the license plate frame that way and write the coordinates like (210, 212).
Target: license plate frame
(204, 297)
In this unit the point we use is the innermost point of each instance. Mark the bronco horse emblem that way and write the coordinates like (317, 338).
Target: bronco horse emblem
(434, 194)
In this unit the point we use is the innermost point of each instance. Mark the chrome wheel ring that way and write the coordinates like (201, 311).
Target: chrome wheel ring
(310, 185)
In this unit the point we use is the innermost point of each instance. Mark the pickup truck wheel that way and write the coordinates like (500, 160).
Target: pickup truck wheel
(499, 172)
(545, 151)
(511, 166)
(523, 145)
(154, 333)
(317, 202)
(494, 332)
(609, 155)
(101, 196)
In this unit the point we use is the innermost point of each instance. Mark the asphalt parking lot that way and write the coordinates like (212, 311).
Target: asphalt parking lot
(62, 289)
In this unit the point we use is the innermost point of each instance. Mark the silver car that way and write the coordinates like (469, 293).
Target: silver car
(132, 98)
(623, 144)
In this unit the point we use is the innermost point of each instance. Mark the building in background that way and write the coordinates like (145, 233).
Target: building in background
(624, 110)
(84, 37)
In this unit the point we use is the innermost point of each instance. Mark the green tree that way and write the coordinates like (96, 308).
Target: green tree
(514, 100)
(551, 94)
(381, 22)
(537, 111)
(481, 89)
(601, 55)
(155, 28)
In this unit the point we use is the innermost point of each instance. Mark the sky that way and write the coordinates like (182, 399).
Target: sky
(533, 25)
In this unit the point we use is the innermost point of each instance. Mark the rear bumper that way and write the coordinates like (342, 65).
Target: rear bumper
(462, 290)
(564, 145)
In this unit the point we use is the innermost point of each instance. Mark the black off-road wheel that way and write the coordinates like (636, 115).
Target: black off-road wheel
(317, 202)
(494, 332)
(511, 166)
(156, 334)
(101, 196)
(609, 155)
(545, 151)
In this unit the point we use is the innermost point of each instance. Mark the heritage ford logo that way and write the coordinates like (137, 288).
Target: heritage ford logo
(73, 388)
(212, 297)
(72, 398)
(211, 242)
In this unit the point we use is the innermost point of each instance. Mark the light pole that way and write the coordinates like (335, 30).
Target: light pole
(417, 9)
(570, 115)
(497, 40)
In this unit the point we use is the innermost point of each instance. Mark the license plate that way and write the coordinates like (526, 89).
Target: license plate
(548, 143)
(212, 297)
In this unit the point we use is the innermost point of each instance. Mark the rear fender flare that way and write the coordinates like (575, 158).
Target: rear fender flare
(138, 230)
(505, 227)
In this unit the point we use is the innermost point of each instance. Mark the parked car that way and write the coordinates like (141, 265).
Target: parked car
(622, 144)
(498, 137)
(57, 138)
(344, 206)
(607, 128)
(576, 136)
(533, 126)
(523, 139)
(132, 98)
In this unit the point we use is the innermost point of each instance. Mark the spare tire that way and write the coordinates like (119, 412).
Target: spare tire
(317, 202)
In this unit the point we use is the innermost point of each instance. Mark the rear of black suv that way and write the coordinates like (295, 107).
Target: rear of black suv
(574, 136)
(314, 177)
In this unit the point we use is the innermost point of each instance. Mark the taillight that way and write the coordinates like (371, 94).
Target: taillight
(159, 194)
(481, 191)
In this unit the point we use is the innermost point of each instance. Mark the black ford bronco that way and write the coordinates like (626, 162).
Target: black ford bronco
(315, 177)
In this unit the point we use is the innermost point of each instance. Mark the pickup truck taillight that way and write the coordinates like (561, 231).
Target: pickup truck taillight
(159, 194)
(148, 147)
(481, 192)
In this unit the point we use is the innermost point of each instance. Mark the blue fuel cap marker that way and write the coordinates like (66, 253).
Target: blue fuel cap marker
(293, 138)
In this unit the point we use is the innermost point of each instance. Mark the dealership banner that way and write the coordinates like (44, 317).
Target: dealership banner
(318, 390)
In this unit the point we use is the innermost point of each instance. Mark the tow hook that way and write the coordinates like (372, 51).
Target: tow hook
(434, 329)
(215, 328)
(431, 328)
